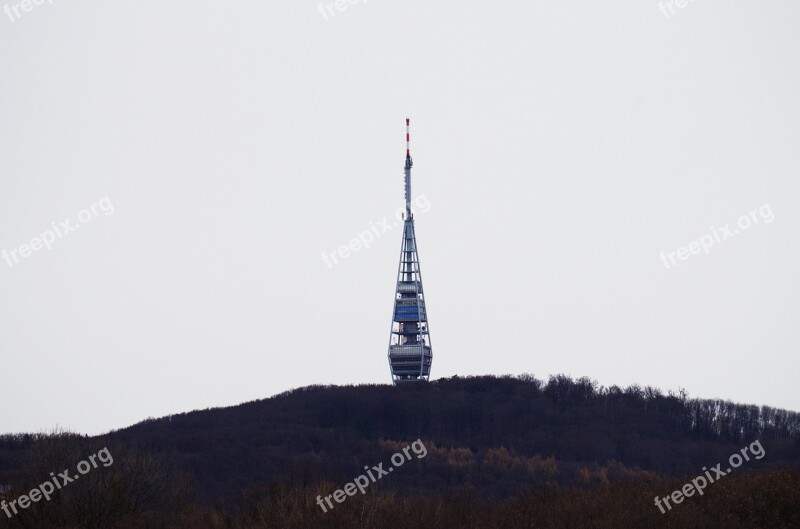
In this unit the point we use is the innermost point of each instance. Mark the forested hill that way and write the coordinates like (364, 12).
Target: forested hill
(497, 435)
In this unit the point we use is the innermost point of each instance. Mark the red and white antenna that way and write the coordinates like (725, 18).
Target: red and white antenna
(408, 138)
(409, 163)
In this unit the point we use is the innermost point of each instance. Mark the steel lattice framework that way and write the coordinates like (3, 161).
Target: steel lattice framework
(410, 353)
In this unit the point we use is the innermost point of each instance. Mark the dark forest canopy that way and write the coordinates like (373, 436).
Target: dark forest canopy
(563, 442)
(541, 431)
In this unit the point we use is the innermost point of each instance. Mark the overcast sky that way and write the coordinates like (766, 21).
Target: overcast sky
(188, 163)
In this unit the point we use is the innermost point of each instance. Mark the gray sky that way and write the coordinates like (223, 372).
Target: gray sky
(559, 147)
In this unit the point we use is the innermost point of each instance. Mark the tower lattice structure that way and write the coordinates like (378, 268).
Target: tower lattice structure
(410, 352)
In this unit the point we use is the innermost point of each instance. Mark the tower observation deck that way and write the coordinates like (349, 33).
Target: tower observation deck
(410, 353)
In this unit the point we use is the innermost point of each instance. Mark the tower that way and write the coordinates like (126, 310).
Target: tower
(410, 353)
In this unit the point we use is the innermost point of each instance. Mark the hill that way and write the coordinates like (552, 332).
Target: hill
(317, 433)
(497, 438)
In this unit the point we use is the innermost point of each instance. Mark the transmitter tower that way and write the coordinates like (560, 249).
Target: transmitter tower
(410, 353)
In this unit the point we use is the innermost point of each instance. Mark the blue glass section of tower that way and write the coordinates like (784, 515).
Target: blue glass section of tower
(410, 353)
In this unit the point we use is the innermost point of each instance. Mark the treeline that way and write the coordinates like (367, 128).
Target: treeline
(133, 488)
(141, 492)
(323, 433)
(495, 436)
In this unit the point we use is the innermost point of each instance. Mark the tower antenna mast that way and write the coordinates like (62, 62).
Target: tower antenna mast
(409, 164)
